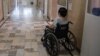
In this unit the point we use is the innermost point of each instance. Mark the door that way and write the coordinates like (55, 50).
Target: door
(5, 8)
(1, 10)
(48, 9)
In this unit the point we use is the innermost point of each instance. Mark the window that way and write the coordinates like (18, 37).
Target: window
(62, 2)
(94, 7)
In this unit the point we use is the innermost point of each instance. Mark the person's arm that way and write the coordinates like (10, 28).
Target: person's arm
(50, 24)
(55, 22)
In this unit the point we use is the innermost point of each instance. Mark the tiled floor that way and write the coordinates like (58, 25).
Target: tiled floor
(21, 33)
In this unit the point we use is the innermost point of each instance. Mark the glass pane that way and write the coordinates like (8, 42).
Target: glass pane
(62, 2)
(94, 7)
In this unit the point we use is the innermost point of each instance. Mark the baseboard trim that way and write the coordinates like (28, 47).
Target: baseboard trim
(3, 21)
(78, 50)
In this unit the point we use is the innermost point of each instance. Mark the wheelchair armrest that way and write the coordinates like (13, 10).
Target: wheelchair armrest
(49, 29)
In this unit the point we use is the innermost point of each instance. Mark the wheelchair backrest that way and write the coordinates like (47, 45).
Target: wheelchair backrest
(61, 30)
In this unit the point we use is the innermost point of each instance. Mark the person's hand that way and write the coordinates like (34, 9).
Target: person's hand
(50, 23)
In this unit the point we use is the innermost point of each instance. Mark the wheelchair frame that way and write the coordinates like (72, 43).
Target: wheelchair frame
(52, 44)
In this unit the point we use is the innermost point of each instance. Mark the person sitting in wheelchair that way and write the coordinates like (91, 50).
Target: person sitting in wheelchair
(60, 24)
(57, 33)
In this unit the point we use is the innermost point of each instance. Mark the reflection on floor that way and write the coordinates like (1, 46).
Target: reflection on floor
(21, 33)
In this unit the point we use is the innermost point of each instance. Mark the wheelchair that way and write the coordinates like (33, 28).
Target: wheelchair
(52, 39)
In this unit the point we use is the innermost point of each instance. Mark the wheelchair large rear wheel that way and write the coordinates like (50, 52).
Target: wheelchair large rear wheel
(71, 42)
(52, 45)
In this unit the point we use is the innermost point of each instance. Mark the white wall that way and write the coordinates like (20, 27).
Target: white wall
(91, 36)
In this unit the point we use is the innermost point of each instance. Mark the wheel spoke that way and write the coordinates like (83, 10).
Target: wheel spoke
(71, 41)
(52, 44)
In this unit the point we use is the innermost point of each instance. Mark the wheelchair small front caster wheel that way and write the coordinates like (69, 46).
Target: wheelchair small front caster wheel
(42, 39)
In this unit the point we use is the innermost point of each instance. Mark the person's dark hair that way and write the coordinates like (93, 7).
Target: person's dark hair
(63, 12)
